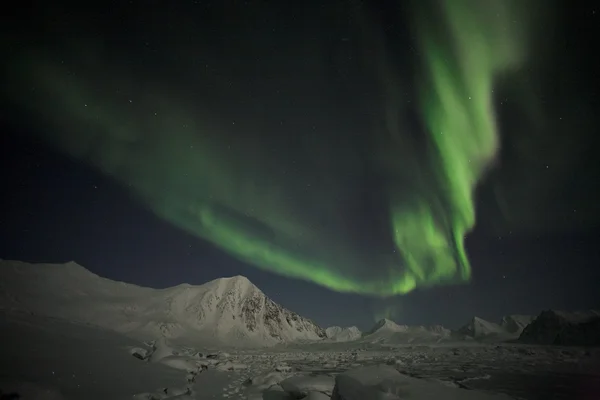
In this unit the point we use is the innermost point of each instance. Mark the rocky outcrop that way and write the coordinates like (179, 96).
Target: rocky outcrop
(562, 328)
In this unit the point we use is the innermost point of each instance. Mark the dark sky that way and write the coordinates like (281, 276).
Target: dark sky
(295, 96)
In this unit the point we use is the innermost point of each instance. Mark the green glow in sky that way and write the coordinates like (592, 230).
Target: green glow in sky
(460, 65)
(285, 213)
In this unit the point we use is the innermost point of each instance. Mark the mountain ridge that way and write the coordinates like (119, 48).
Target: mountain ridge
(389, 332)
(553, 327)
(232, 311)
(229, 310)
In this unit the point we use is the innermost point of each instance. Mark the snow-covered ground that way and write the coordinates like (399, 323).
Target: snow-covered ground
(69, 334)
(47, 358)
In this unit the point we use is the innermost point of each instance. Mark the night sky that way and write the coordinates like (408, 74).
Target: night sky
(425, 161)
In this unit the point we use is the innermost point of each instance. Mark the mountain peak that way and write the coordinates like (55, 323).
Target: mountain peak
(515, 323)
(239, 280)
(237, 285)
(581, 328)
(480, 328)
(385, 324)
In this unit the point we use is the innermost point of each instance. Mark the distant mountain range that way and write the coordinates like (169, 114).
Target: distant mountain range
(567, 329)
(510, 327)
(234, 312)
(388, 332)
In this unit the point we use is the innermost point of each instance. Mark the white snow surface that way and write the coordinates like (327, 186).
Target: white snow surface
(47, 354)
(49, 358)
(381, 382)
(227, 311)
(339, 334)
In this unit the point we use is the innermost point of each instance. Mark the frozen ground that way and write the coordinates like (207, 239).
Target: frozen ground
(46, 358)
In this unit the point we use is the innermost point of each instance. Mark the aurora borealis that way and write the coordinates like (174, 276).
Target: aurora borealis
(460, 64)
(186, 165)
(353, 145)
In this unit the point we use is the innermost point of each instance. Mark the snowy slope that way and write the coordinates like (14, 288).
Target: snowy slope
(339, 334)
(228, 311)
(388, 332)
(51, 359)
(561, 328)
(46, 358)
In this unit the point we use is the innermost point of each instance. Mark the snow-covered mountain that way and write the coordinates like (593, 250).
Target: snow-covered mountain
(384, 326)
(386, 331)
(230, 311)
(479, 328)
(509, 328)
(339, 334)
(516, 323)
(561, 328)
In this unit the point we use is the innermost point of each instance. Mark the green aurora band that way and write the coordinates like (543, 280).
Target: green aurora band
(212, 189)
(477, 41)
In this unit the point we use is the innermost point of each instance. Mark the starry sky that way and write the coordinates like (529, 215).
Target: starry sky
(425, 161)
